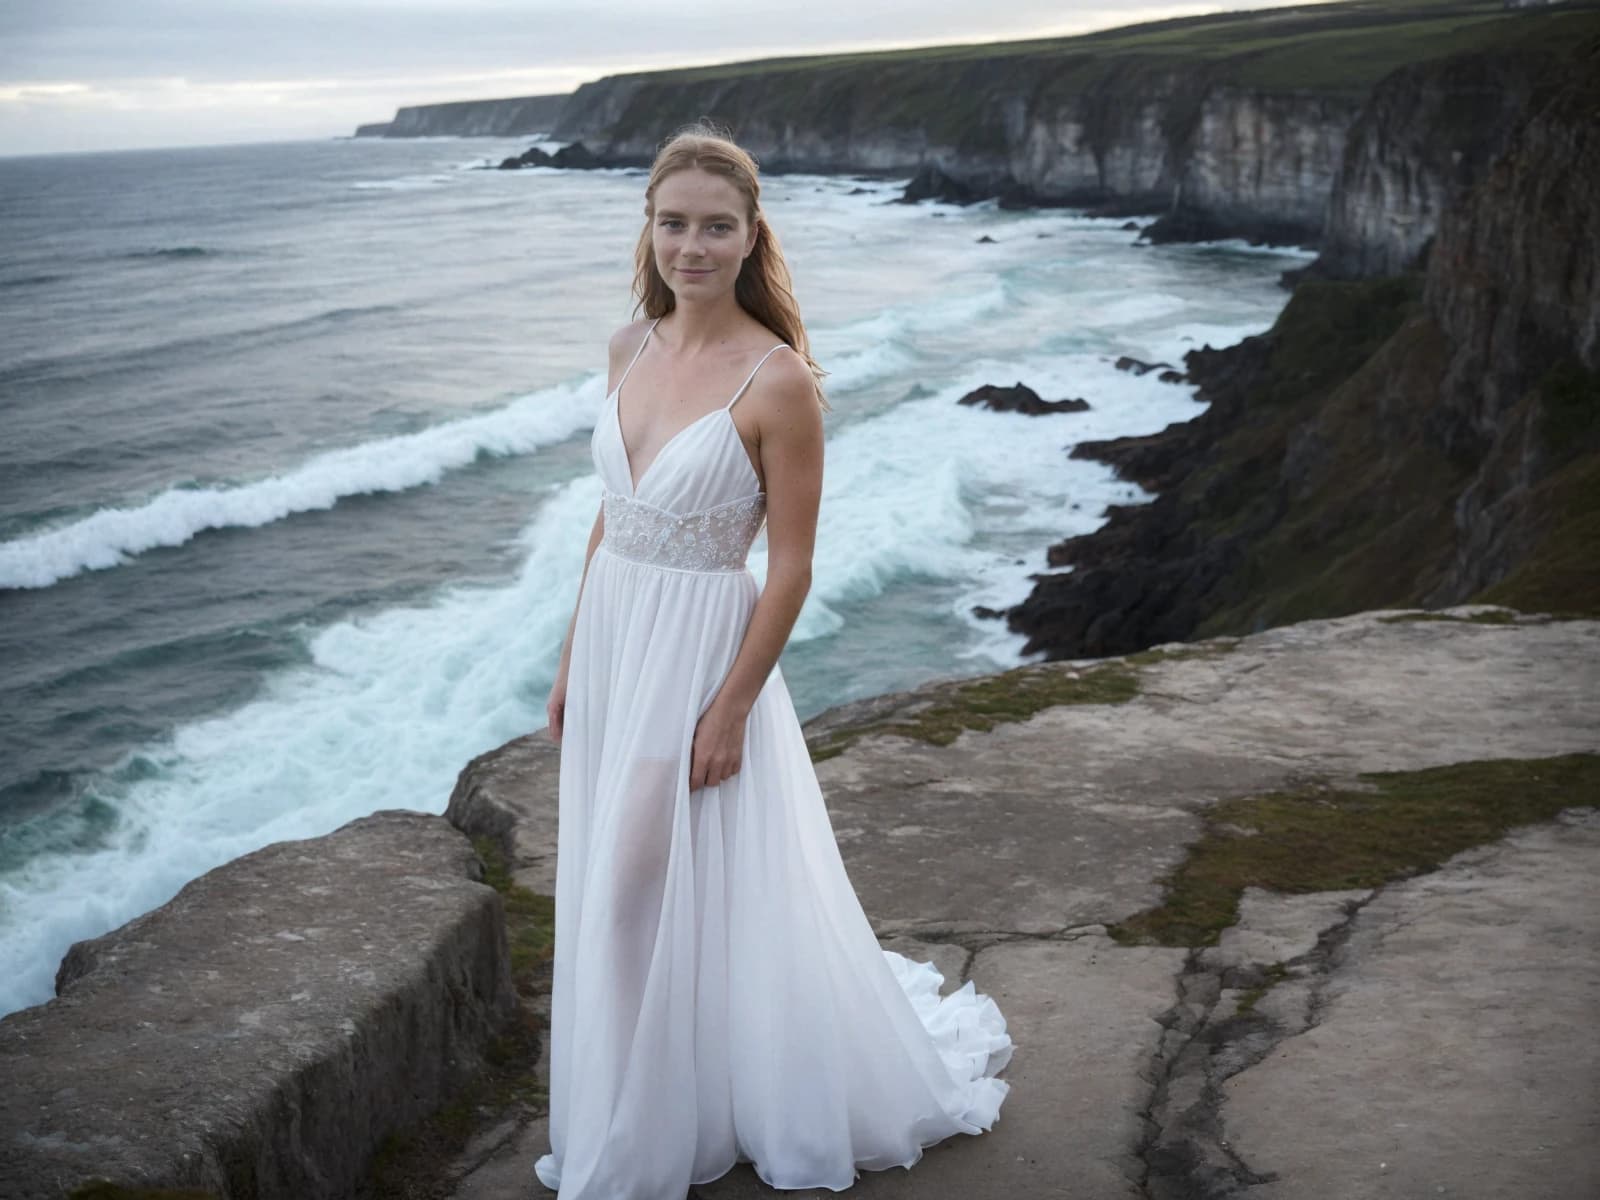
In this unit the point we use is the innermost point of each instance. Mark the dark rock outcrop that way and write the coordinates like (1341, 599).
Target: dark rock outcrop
(262, 1033)
(931, 183)
(1138, 366)
(1020, 398)
(576, 157)
(1514, 283)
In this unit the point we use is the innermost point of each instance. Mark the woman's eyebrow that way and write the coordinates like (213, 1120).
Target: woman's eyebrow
(721, 216)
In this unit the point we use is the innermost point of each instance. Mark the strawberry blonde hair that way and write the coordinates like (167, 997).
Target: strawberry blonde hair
(764, 288)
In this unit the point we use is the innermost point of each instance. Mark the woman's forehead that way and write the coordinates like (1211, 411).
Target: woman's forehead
(693, 192)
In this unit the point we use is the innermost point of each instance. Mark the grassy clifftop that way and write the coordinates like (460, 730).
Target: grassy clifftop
(1336, 47)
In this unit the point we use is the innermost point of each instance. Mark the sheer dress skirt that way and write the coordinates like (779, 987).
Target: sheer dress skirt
(718, 993)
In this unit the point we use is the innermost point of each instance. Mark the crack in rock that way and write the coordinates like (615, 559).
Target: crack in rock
(1263, 984)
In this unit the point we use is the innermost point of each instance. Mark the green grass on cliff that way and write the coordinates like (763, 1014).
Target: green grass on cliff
(1561, 574)
(530, 919)
(1334, 46)
(1318, 838)
(941, 713)
(968, 97)
(1342, 499)
(1489, 616)
(1329, 485)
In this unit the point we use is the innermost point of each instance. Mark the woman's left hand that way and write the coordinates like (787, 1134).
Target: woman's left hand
(718, 747)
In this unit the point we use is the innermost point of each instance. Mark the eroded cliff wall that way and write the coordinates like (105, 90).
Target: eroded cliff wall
(472, 118)
(1426, 135)
(1233, 124)
(1429, 437)
(1133, 134)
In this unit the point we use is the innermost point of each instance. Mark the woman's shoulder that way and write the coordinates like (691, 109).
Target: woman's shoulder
(788, 372)
(784, 388)
(626, 339)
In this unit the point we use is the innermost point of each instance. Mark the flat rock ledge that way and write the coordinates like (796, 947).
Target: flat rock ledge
(259, 1035)
(1425, 1038)
(262, 1032)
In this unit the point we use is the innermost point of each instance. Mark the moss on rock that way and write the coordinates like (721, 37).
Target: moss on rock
(1320, 837)
(940, 713)
(411, 1165)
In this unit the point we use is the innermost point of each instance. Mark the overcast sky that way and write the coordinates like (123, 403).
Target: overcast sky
(112, 74)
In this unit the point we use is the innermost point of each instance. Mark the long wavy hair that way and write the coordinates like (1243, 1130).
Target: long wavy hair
(764, 288)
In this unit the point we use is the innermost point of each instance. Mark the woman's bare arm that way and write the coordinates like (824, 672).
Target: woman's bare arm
(789, 421)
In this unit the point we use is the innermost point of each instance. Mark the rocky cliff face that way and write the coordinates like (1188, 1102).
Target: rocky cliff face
(1259, 164)
(472, 118)
(1422, 438)
(1134, 134)
(1426, 135)
(1514, 283)
(1228, 125)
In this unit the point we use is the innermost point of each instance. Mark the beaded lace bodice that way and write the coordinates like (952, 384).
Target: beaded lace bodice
(697, 507)
(713, 539)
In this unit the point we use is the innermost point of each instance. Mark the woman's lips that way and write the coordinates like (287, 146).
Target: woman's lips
(694, 271)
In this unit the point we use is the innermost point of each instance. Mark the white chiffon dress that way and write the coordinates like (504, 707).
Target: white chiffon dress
(718, 993)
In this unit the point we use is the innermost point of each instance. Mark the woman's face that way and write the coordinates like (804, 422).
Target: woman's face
(700, 233)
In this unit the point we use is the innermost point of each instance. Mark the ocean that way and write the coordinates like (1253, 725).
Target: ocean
(295, 479)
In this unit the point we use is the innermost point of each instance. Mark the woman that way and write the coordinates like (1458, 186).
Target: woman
(719, 994)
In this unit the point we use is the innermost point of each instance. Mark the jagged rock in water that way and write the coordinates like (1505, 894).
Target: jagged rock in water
(1020, 398)
(1138, 366)
(576, 156)
(931, 183)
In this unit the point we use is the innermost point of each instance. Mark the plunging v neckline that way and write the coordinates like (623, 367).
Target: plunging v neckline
(727, 410)
(627, 459)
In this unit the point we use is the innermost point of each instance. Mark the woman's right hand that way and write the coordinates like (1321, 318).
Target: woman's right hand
(555, 708)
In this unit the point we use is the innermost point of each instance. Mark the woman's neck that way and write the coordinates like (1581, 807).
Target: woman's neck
(704, 325)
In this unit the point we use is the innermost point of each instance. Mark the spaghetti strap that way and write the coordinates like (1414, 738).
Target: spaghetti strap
(752, 374)
(636, 354)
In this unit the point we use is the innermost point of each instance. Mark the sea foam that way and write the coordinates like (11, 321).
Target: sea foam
(112, 536)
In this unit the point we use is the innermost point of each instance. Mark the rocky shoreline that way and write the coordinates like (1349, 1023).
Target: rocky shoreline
(1429, 437)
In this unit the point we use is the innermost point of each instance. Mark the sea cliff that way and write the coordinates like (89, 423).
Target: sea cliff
(471, 118)
(1419, 425)
(1424, 433)
(1229, 124)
